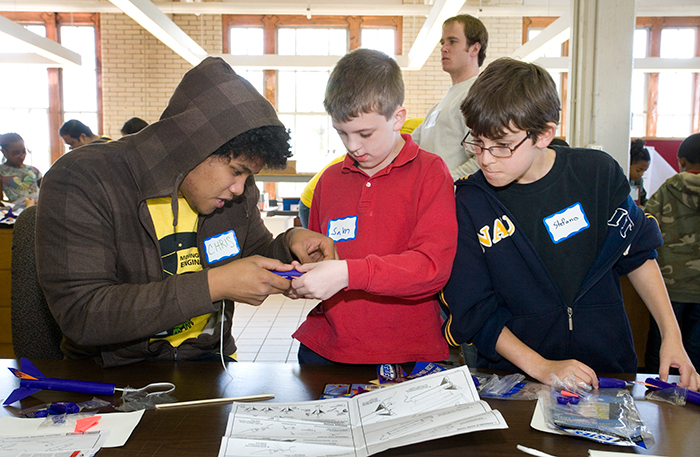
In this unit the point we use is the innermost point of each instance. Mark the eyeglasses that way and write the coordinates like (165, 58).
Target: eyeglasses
(496, 151)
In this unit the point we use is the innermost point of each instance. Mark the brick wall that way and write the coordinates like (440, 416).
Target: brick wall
(139, 73)
(427, 86)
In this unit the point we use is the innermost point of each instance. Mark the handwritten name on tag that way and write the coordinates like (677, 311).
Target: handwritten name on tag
(566, 223)
(221, 246)
(342, 229)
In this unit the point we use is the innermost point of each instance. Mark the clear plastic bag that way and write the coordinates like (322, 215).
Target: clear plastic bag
(571, 384)
(146, 397)
(63, 419)
(674, 395)
(510, 387)
(609, 416)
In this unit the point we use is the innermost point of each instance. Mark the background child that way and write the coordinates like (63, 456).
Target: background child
(639, 163)
(19, 181)
(389, 206)
(676, 207)
(544, 234)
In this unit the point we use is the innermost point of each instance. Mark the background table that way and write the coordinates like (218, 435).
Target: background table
(197, 430)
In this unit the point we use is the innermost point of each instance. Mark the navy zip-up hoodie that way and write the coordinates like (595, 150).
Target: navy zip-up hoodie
(506, 283)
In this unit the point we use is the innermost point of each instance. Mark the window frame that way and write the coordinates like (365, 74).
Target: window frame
(270, 23)
(541, 23)
(654, 25)
(53, 23)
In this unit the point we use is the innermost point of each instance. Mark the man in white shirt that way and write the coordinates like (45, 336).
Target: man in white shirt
(463, 50)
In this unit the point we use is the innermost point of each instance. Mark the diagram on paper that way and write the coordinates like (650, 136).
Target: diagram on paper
(431, 407)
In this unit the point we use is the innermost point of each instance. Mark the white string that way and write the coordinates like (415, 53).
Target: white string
(221, 338)
(165, 388)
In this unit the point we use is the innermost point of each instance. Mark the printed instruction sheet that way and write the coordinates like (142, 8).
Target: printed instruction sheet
(435, 406)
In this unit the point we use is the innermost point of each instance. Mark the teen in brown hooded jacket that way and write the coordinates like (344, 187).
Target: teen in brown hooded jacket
(138, 240)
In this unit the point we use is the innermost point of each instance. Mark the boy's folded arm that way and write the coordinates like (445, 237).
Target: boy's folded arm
(485, 335)
(475, 312)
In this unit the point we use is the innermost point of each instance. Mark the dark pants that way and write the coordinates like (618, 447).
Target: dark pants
(306, 355)
(688, 317)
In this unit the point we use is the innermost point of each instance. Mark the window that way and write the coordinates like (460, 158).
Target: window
(298, 93)
(379, 38)
(639, 90)
(80, 83)
(675, 106)
(559, 77)
(24, 106)
(39, 97)
(665, 104)
(248, 41)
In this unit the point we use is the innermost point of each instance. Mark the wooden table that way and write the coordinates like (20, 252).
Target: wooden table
(197, 430)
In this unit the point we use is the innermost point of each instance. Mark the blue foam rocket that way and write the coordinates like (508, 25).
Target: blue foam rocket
(291, 274)
(33, 381)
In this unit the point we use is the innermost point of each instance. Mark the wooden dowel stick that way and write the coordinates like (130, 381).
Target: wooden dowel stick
(210, 401)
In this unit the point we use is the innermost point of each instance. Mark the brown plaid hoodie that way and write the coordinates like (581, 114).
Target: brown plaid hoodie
(98, 258)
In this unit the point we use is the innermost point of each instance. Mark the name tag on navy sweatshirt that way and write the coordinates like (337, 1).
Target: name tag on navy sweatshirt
(221, 246)
(566, 223)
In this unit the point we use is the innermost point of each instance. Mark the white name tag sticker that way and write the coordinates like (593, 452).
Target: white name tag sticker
(566, 223)
(342, 229)
(430, 122)
(221, 246)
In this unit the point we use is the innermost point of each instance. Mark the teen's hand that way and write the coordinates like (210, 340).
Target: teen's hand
(672, 354)
(531, 362)
(310, 246)
(321, 280)
(562, 369)
(247, 280)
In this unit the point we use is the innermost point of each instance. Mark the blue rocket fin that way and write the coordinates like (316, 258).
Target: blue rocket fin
(28, 367)
(19, 394)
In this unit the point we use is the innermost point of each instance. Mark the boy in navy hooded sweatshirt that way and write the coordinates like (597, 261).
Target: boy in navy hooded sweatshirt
(544, 234)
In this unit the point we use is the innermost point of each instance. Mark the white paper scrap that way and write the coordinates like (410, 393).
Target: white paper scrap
(53, 445)
(120, 426)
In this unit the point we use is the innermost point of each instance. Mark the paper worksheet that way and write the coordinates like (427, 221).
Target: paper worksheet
(120, 426)
(435, 406)
(56, 445)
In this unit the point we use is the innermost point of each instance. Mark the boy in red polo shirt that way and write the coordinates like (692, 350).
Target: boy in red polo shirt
(389, 207)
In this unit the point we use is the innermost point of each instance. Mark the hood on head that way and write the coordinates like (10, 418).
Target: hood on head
(210, 106)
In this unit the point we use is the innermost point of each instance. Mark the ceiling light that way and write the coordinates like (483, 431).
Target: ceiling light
(159, 25)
